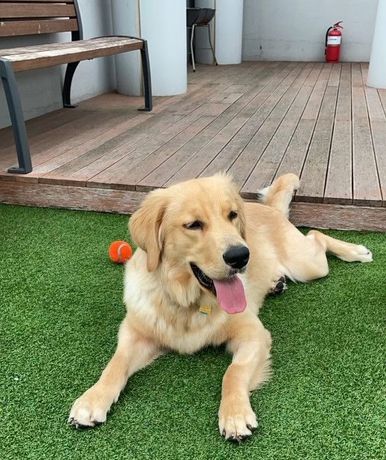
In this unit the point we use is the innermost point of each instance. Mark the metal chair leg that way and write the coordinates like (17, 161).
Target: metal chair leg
(192, 47)
(66, 93)
(146, 78)
(16, 113)
(210, 43)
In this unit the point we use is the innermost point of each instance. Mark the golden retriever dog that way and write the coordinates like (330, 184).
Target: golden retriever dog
(204, 263)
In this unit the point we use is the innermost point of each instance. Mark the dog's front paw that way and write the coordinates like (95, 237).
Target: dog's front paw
(89, 410)
(236, 420)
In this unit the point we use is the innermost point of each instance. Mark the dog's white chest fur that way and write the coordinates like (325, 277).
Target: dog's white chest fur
(175, 326)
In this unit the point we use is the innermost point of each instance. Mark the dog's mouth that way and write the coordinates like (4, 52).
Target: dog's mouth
(204, 280)
(229, 292)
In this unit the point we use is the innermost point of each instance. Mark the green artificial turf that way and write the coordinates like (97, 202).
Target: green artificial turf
(60, 301)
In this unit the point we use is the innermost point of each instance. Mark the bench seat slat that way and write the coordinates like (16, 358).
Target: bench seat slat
(35, 10)
(34, 57)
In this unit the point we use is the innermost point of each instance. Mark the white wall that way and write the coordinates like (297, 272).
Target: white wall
(41, 89)
(163, 24)
(295, 29)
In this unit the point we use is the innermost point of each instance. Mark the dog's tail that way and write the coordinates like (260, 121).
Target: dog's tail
(279, 194)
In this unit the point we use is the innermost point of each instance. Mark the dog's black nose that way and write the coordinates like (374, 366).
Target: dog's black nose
(236, 256)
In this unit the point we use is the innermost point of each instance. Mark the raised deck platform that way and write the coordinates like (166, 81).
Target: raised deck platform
(256, 121)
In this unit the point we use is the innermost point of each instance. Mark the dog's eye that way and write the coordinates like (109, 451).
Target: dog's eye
(232, 215)
(195, 225)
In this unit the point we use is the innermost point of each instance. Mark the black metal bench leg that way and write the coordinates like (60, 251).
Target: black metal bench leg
(66, 94)
(17, 118)
(146, 77)
(211, 45)
(192, 47)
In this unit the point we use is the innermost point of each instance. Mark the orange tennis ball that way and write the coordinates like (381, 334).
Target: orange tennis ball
(120, 252)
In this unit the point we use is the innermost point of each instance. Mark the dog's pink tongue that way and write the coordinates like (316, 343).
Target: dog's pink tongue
(231, 295)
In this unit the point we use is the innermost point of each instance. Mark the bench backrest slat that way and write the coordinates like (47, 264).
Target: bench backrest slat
(35, 17)
(37, 1)
(15, 28)
(37, 10)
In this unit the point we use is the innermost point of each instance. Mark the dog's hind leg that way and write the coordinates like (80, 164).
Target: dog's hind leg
(346, 251)
(133, 353)
(279, 194)
(307, 258)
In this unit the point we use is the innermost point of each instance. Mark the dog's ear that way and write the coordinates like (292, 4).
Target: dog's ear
(145, 226)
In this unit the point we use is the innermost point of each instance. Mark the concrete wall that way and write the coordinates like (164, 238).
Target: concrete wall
(41, 89)
(295, 29)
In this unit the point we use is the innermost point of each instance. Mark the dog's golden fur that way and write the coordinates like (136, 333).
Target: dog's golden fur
(163, 297)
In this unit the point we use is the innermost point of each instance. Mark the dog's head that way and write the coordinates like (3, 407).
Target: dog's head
(195, 231)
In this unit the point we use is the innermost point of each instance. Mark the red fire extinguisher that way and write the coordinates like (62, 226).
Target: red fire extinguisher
(333, 42)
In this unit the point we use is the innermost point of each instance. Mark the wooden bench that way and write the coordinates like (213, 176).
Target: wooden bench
(35, 17)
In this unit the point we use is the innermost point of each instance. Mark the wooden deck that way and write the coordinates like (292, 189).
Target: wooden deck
(255, 120)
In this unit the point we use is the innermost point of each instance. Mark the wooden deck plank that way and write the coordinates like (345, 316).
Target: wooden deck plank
(265, 168)
(377, 120)
(343, 107)
(312, 109)
(334, 79)
(313, 175)
(382, 97)
(296, 152)
(378, 129)
(297, 149)
(365, 175)
(253, 185)
(339, 173)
